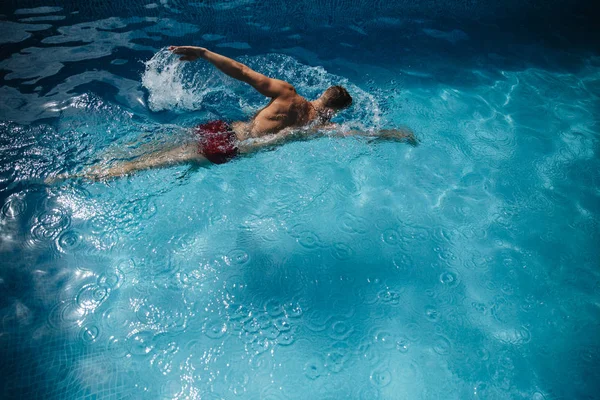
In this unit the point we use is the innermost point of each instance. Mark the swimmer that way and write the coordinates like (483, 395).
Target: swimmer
(288, 116)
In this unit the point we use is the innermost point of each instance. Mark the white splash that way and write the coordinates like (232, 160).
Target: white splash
(182, 86)
(163, 78)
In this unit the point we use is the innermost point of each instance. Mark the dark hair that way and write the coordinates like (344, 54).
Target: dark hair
(337, 97)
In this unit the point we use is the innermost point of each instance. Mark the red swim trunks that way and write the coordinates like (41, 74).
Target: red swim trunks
(217, 141)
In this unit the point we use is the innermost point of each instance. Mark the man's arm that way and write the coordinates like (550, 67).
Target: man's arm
(403, 135)
(269, 141)
(264, 85)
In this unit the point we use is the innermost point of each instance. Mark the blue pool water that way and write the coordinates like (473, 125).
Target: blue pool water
(464, 268)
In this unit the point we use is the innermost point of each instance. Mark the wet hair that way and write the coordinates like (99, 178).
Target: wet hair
(336, 97)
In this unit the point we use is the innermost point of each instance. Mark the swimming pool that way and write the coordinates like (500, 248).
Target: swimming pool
(465, 267)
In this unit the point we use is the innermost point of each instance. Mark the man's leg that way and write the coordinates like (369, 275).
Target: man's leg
(161, 158)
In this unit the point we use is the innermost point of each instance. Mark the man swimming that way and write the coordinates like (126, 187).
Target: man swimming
(283, 119)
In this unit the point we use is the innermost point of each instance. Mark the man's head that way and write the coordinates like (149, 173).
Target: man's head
(336, 98)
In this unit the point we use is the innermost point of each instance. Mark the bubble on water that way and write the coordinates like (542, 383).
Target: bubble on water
(215, 328)
(264, 321)
(368, 352)
(446, 255)
(335, 361)
(239, 312)
(337, 356)
(50, 224)
(260, 346)
(111, 279)
(108, 240)
(286, 338)
(515, 336)
(296, 230)
(282, 324)
(442, 345)
(431, 314)
(163, 362)
(127, 266)
(116, 348)
(116, 317)
(91, 296)
(98, 224)
(391, 237)
(270, 332)
(14, 206)
(538, 396)
(314, 368)
(293, 310)
(402, 344)
(251, 325)
(248, 337)
(273, 308)
(140, 343)
(316, 320)
(390, 297)
(353, 224)
(237, 381)
(69, 241)
(368, 293)
(235, 286)
(403, 263)
(89, 334)
(449, 278)
(66, 314)
(147, 314)
(159, 266)
(380, 377)
(446, 235)
(341, 251)
(384, 338)
(237, 257)
(340, 330)
(143, 209)
(309, 240)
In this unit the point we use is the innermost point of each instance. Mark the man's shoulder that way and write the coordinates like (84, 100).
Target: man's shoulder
(284, 88)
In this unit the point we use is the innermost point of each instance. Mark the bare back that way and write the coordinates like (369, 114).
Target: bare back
(282, 112)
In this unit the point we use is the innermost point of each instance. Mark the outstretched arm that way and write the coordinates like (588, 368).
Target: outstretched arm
(264, 85)
(404, 135)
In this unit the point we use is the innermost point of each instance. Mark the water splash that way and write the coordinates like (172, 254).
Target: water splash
(182, 87)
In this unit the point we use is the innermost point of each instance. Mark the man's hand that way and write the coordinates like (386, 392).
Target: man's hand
(188, 53)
